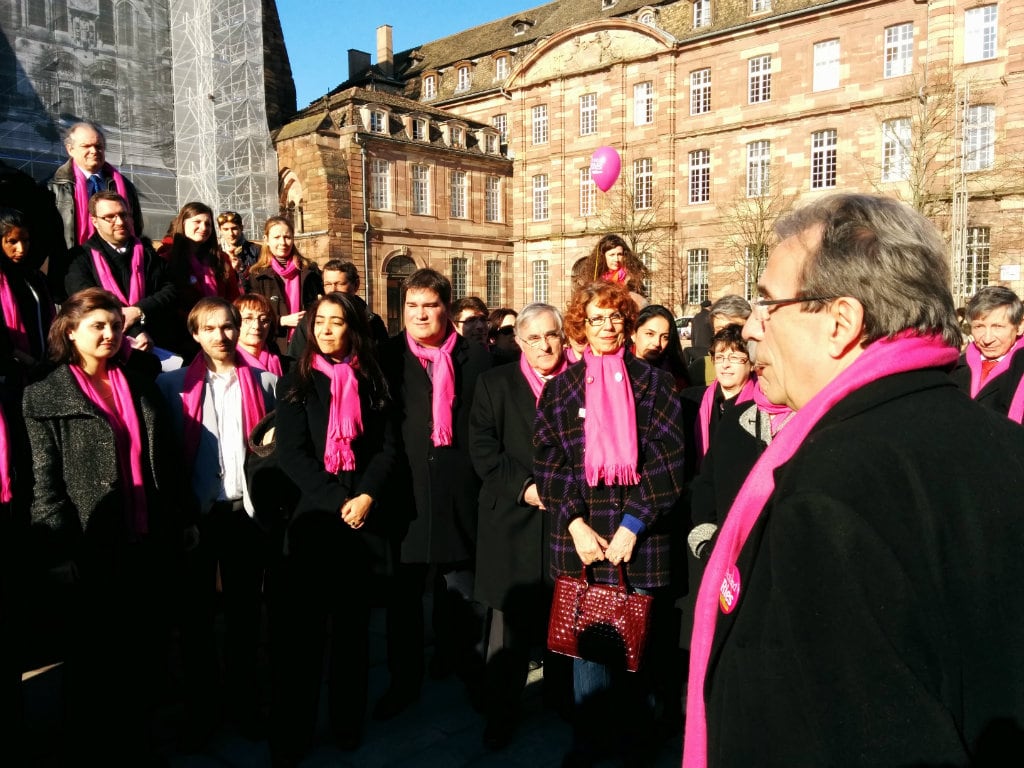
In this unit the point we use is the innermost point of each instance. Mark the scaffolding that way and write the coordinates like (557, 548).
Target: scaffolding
(221, 141)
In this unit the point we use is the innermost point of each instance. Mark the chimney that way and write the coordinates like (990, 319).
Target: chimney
(358, 63)
(385, 54)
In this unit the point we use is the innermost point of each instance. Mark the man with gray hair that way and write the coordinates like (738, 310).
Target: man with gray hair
(84, 174)
(859, 606)
(991, 368)
(727, 310)
(511, 538)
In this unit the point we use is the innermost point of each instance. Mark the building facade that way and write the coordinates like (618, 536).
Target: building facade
(726, 113)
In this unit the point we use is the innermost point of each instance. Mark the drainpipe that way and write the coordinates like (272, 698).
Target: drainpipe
(366, 227)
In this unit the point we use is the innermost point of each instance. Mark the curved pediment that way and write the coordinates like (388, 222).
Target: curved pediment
(588, 47)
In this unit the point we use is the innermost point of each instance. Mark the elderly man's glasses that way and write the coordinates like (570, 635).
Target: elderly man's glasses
(597, 321)
(762, 307)
(536, 341)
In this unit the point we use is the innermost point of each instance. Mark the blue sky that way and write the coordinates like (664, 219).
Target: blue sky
(318, 33)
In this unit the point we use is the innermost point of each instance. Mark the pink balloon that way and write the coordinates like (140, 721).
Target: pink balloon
(605, 165)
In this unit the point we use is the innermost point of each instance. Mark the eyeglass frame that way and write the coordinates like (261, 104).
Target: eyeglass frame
(616, 318)
(110, 218)
(763, 313)
(535, 343)
(732, 359)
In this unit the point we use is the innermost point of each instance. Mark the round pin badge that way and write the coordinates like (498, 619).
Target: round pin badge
(729, 592)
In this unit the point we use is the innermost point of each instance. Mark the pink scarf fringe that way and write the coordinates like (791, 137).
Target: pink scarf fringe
(83, 222)
(345, 421)
(443, 381)
(885, 357)
(5, 460)
(609, 429)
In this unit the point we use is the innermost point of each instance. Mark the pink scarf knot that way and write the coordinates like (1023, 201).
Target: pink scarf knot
(83, 222)
(533, 378)
(345, 419)
(609, 429)
(136, 275)
(443, 381)
(265, 360)
(202, 275)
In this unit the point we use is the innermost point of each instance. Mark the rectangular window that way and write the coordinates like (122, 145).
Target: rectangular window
(492, 199)
(457, 137)
(459, 277)
(701, 13)
(976, 260)
(643, 183)
(896, 149)
(458, 192)
(979, 138)
(758, 164)
(500, 123)
(700, 176)
(540, 281)
(760, 6)
(643, 103)
(419, 130)
(696, 275)
(490, 144)
(463, 82)
(500, 69)
(823, 159)
(540, 124)
(700, 91)
(588, 114)
(493, 283)
(588, 193)
(378, 121)
(540, 197)
(826, 65)
(380, 184)
(429, 87)
(759, 79)
(980, 33)
(899, 50)
(421, 202)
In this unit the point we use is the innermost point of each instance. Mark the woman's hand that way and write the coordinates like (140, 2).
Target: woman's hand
(621, 548)
(590, 547)
(531, 497)
(355, 510)
(292, 320)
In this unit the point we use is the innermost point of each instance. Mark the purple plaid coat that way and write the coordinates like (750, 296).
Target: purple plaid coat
(558, 471)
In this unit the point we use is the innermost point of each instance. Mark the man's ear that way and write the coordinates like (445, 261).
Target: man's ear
(847, 326)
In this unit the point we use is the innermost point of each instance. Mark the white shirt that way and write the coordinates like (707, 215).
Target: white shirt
(222, 399)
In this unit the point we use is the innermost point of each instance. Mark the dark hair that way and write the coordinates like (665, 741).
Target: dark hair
(345, 267)
(207, 252)
(732, 337)
(262, 303)
(636, 272)
(208, 304)
(672, 358)
(612, 295)
(77, 306)
(12, 218)
(495, 319)
(474, 303)
(109, 195)
(361, 344)
(430, 280)
(883, 254)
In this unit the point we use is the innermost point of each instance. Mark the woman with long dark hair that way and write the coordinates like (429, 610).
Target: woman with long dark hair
(336, 441)
(104, 525)
(286, 277)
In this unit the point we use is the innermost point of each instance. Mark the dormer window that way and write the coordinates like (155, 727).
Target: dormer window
(458, 137)
(501, 68)
(429, 86)
(491, 143)
(520, 26)
(420, 129)
(648, 18)
(378, 121)
(463, 78)
(606, 4)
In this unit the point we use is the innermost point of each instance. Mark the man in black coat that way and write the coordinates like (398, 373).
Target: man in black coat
(511, 555)
(858, 608)
(432, 374)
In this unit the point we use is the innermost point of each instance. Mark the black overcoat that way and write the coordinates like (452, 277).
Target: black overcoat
(512, 542)
(438, 485)
(997, 391)
(267, 283)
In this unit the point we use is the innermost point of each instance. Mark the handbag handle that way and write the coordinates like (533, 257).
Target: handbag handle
(585, 576)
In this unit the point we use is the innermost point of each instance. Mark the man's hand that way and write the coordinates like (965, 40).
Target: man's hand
(142, 342)
(292, 320)
(131, 316)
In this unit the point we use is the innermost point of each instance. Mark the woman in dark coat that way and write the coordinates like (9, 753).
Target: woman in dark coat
(286, 277)
(608, 464)
(104, 525)
(336, 441)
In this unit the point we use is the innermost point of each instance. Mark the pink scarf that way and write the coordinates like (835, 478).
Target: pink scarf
(290, 277)
(253, 407)
(12, 316)
(609, 429)
(615, 275)
(533, 378)
(136, 278)
(202, 276)
(345, 421)
(443, 381)
(5, 461)
(973, 355)
(124, 422)
(83, 223)
(778, 415)
(907, 352)
(708, 402)
(265, 359)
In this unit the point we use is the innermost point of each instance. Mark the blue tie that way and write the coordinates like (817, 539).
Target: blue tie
(95, 184)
